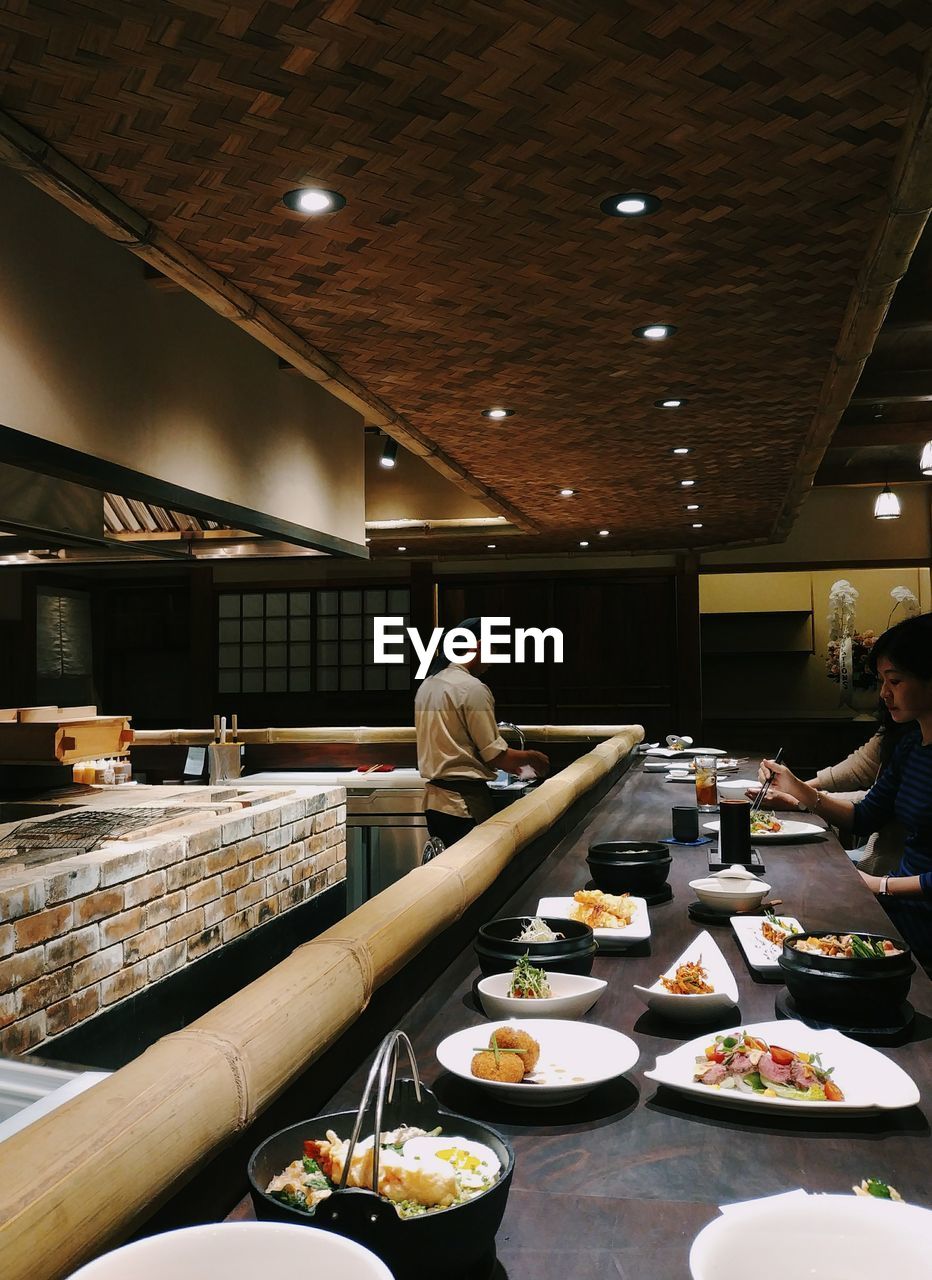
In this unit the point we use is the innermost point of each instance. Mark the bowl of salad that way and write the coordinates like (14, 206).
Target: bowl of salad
(557, 945)
(530, 992)
(847, 979)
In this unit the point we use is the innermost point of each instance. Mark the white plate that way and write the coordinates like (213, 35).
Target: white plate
(761, 954)
(572, 996)
(869, 1080)
(681, 776)
(823, 1236)
(668, 753)
(791, 830)
(695, 1008)
(608, 939)
(575, 1058)
(238, 1251)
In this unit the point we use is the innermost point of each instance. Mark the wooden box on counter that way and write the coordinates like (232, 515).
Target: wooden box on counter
(64, 741)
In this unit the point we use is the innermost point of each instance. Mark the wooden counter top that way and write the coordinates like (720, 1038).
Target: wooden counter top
(620, 1183)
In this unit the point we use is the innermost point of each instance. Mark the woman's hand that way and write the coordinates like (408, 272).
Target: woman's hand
(776, 799)
(873, 882)
(785, 782)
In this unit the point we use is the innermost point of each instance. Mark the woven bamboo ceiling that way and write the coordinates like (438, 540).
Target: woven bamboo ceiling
(471, 266)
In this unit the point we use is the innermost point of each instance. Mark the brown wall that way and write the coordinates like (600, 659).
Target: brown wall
(94, 357)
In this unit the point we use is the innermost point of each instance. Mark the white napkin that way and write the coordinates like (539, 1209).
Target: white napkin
(798, 1194)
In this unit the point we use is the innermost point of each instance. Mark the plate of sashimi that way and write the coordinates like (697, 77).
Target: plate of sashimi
(788, 1066)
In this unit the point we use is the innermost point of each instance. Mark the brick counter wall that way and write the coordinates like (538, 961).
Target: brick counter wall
(78, 935)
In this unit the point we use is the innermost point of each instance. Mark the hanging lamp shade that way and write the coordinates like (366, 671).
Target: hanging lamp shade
(925, 460)
(887, 505)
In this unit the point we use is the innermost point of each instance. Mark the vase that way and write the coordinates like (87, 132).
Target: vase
(864, 703)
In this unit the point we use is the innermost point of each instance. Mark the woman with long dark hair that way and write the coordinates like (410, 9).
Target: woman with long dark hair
(902, 662)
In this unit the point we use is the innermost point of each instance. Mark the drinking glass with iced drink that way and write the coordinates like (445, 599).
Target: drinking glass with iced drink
(706, 788)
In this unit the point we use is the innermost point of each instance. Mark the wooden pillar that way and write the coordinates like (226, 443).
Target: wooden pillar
(423, 612)
(202, 674)
(688, 647)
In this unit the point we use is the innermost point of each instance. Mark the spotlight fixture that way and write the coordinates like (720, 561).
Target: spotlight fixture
(402, 548)
(887, 505)
(681, 450)
(654, 332)
(603, 533)
(490, 546)
(313, 200)
(687, 484)
(497, 413)
(692, 506)
(567, 493)
(669, 404)
(630, 204)
(925, 461)
(697, 525)
(389, 453)
(584, 544)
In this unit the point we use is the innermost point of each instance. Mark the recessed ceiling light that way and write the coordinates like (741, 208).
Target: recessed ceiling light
(687, 484)
(490, 546)
(313, 200)
(654, 332)
(682, 450)
(697, 526)
(692, 506)
(389, 453)
(669, 404)
(402, 548)
(603, 533)
(497, 413)
(584, 544)
(630, 204)
(567, 493)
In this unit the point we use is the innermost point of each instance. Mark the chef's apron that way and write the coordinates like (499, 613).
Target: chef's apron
(479, 801)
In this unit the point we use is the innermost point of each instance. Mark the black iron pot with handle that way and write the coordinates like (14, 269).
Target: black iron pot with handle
(450, 1242)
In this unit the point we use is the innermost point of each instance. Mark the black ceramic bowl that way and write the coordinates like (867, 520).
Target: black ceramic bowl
(453, 1240)
(640, 867)
(861, 993)
(499, 953)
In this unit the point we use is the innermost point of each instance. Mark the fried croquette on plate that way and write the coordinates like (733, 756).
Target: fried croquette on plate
(513, 1038)
(502, 1068)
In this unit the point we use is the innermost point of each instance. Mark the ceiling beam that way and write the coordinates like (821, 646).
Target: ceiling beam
(901, 223)
(869, 473)
(867, 435)
(894, 386)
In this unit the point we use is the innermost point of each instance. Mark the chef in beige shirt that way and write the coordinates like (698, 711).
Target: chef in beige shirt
(459, 747)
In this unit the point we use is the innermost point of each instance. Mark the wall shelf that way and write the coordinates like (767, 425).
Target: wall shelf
(783, 633)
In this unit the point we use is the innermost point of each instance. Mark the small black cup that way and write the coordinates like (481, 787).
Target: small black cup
(685, 823)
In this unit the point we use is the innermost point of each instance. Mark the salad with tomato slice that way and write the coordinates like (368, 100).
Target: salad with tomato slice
(748, 1064)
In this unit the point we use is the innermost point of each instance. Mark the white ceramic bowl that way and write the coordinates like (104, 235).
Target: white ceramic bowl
(823, 1236)
(728, 894)
(572, 996)
(575, 1058)
(737, 788)
(238, 1251)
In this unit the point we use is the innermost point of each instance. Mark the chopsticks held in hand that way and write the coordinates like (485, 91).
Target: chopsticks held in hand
(761, 795)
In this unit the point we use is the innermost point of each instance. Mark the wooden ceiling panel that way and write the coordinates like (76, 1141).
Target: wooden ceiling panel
(471, 265)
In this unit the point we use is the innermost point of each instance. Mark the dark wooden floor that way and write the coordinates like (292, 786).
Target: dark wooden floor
(620, 1183)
